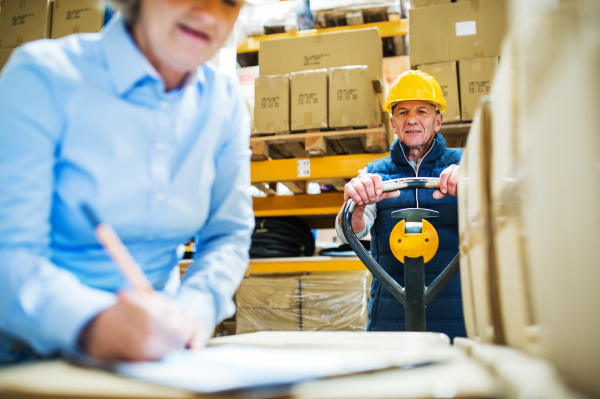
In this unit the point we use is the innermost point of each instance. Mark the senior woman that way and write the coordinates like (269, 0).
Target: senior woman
(135, 123)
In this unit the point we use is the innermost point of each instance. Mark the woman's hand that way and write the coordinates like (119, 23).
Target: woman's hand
(448, 182)
(142, 327)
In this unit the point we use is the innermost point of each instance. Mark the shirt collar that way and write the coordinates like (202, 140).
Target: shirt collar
(126, 63)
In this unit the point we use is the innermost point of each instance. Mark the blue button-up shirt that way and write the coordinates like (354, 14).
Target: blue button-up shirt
(86, 119)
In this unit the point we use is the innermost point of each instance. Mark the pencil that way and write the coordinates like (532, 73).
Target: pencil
(117, 251)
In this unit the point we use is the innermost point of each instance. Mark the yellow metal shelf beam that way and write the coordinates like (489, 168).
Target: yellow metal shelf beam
(334, 167)
(386, 29)
(298, 205)
(301, 265)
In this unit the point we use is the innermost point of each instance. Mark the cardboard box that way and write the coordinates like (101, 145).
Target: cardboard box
(272, 104)
(423, 3)
(446, 75)
(456, 31)
(4, 56)
(334, 292)
(309, 99)
(394, 66)
(252, 320)
(475, 81)
(77, 16)
(356, 47)
(24, 21)
(268, 292)
(352, 100)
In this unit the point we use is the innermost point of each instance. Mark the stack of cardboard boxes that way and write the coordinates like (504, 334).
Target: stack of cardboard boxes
(324, 81)
(458, 44)
(28, 20)
(314, 302)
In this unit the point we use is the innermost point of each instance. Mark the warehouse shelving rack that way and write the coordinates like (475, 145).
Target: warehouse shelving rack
(386, 29)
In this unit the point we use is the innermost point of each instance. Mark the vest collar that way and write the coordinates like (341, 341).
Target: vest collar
(398, 149)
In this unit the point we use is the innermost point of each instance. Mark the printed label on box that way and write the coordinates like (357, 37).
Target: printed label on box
(347, 94)
(466, 28)
(310, 60)
(304, 168)
(479, 87)
(308, 98)
(74, 14)
(20, 19)
(269, 102)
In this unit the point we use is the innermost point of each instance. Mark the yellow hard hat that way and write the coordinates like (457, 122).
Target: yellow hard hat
(415, 86)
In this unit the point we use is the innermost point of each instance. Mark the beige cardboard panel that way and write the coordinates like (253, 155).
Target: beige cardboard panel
(560, 202)
(446, 75)
(77, 16)
(252, 320)
(476, 78)
(272, 104)
(309, 99)
(423, 3)
(394, 66)
(474, 238)
(268, 292)
(352, 100)
(357, 47)
(456, 31)
(24, 21)
(5, 54)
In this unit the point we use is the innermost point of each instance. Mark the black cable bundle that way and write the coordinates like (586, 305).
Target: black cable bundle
(281, 237)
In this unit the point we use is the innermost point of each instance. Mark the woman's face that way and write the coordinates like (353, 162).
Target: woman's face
(183, 34)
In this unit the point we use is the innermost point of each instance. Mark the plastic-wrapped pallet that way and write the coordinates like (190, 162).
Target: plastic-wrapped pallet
(334, 302)
(317, 302)
(268, 304)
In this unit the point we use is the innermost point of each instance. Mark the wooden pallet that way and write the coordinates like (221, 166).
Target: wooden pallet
(455, 134)
(355, 15)
(300, 187)
(316, 144)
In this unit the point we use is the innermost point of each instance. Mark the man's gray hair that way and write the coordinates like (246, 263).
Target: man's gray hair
(130, 9)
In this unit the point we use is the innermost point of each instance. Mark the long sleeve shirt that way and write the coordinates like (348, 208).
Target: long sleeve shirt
(86, 119)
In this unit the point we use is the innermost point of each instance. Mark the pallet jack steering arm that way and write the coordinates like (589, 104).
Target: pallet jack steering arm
(414, 299)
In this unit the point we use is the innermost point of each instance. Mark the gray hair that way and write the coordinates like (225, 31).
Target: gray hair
(130, 9)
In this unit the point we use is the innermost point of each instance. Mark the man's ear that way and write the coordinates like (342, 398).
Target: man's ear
(392, 121)
(438, 122)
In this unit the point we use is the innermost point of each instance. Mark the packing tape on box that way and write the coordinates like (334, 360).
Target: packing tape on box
(478, 49)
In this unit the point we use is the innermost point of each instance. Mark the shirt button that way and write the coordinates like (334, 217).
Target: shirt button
(159, 146)
(164, 104)
(160, 197)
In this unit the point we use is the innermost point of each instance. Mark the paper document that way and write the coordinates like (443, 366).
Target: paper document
(223, 368)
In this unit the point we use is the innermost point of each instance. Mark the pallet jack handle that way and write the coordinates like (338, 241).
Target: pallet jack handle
(381, 275)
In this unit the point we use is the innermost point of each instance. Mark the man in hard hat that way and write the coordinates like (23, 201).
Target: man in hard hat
(416, 104)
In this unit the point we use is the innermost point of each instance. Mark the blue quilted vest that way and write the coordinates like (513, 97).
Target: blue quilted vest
(444, 314)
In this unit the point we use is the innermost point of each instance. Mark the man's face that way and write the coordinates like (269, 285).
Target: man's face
(185, 33)
(415, 123)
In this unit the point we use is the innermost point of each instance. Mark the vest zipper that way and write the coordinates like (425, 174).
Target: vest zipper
(417, 170)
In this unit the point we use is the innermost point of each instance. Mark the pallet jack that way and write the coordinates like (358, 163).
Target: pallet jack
(414, 242)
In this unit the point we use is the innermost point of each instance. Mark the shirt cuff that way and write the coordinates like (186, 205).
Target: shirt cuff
(340, 232)
(71, 313)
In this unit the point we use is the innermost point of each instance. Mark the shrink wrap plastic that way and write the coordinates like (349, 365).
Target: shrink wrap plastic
(318, 302)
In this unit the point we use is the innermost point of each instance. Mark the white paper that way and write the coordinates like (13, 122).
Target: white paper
(466, 28)
(229, 367)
